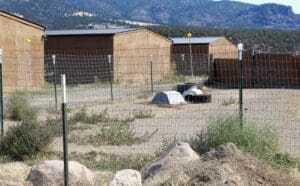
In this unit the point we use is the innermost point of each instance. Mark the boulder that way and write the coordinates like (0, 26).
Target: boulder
(173, 162)
(14, 183)
(127, 177)
(51, 173)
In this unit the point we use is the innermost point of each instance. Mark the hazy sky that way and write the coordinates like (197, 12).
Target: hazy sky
(294, 3)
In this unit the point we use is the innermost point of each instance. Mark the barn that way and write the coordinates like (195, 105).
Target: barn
(203, 50)
(22, 44)
(83, 55)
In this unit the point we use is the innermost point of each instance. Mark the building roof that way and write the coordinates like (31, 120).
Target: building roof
(21, 19)
(88, 32)
(194, 40)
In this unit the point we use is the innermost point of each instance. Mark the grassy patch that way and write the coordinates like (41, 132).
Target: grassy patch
(19, 109)
(115, 133)
(98, 162)
(260, 140)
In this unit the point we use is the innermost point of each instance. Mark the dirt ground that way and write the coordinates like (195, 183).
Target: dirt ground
(279, 107)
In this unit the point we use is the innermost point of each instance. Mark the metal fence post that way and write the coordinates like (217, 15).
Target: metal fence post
(110, 78)
(55, 79)
(240, 47)
(183, 65)
(1, 93)
(65, 129)
(151, 73)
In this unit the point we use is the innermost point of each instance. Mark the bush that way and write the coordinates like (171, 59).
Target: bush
(19, 109)
(260, 140)
(25, 140)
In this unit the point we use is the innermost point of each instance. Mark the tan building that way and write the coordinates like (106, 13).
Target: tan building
(203, 51)
(219, 47)
(23, 53)
(131, 51)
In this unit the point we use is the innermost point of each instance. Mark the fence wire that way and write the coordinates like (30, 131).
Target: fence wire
(109, 95)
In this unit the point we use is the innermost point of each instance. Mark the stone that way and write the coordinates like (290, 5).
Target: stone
(127, 177)
(51, 173)
(173, 162)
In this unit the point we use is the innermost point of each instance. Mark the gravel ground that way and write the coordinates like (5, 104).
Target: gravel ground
(279, 107)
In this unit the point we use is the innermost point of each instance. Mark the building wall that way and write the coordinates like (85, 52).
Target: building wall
(84, 59)
(200, 59)
(132, 51)
(23, 53)
(223, 48)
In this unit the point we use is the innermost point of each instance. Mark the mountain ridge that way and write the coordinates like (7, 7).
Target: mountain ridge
(199, 13)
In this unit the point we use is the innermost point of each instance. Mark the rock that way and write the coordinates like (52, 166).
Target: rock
(127, 177)
(221, 151)
(51, 173)
(172, 162)
(14, 183)
(14, 171)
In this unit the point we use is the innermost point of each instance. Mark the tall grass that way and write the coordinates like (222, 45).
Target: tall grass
(260, 140)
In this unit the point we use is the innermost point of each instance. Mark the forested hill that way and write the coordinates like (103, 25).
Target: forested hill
(200, 13)
(265, 40)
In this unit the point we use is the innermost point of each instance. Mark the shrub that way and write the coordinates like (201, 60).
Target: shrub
(260, 140)
(19, 109)
(142, 114)
(25, 140)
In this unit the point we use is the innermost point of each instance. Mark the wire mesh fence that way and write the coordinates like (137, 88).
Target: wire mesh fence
(109, 96)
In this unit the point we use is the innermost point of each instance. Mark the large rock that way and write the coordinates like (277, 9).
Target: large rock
(14, 183)
(51, 173)
(173, 162)
(127, 177)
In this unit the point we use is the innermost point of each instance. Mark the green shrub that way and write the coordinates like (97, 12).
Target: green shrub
(25, 140)
(260, 140)
(19, 109)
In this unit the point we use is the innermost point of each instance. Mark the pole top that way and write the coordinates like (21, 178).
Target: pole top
(63, 83)
(53, 56)
(1, 51)
(240, 46)
(189, 34)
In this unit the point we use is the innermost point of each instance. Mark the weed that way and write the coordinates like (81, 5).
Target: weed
(83, 117)
(19, 109)
(142, 114)
(227, 102)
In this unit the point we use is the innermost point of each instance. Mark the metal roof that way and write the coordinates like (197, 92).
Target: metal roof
(87, 32)
(194, 40)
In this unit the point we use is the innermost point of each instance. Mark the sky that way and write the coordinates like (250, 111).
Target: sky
(294, 3)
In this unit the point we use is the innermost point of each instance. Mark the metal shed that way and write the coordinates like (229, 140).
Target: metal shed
(131, 50)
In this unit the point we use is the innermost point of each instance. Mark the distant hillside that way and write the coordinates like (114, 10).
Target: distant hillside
(200, 13)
